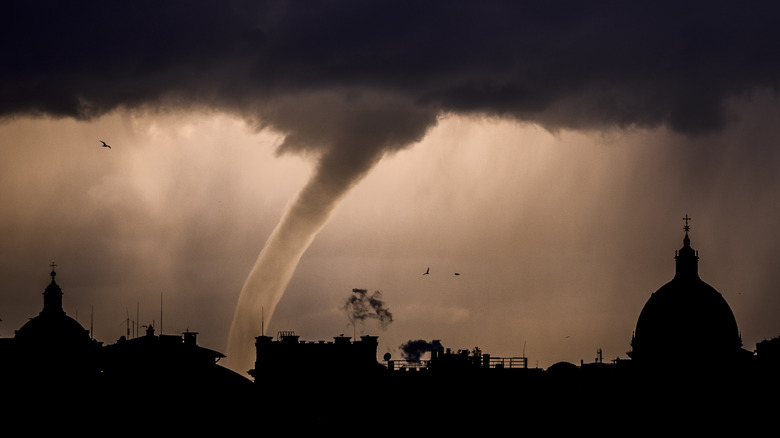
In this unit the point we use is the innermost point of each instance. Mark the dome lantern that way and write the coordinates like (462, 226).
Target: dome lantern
(686, 258)
(52, 296)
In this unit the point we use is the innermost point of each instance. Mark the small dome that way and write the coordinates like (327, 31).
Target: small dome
(55, 329)
(52, 327)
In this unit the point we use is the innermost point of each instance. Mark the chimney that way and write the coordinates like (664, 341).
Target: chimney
(191, 338)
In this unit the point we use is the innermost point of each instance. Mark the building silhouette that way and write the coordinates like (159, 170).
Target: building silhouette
(686, 371)
(686, 368)
(160, 365)
(314, 361)
(686, 322)
(52, 349)
(53, 373)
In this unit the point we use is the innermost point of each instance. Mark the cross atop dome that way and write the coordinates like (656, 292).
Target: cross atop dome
(53, 274)
(686, 227)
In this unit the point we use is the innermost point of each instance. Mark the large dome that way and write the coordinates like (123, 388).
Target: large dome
(686, 320)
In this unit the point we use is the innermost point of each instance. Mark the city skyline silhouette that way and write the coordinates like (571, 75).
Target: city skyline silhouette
(268, 158)
(687, 360)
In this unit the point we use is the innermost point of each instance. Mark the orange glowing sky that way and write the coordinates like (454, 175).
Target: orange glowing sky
(559, 238)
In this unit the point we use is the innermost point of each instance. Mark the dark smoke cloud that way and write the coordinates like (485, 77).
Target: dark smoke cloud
(362, 305)
(414, 349)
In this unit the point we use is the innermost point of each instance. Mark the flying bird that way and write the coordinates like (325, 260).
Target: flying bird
(105, 145)
(427, 271)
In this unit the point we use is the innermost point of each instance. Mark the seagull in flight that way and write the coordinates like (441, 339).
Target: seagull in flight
(427, 271)
(105, 145)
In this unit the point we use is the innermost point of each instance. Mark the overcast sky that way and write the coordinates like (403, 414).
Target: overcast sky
(546, 153)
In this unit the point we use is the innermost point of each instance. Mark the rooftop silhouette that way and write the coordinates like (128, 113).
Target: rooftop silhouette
(686, 350)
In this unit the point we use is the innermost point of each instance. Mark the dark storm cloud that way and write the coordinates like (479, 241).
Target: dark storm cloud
(562, 64)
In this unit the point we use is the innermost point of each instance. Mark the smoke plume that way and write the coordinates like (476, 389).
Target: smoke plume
(361, 306)
(414, 349)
